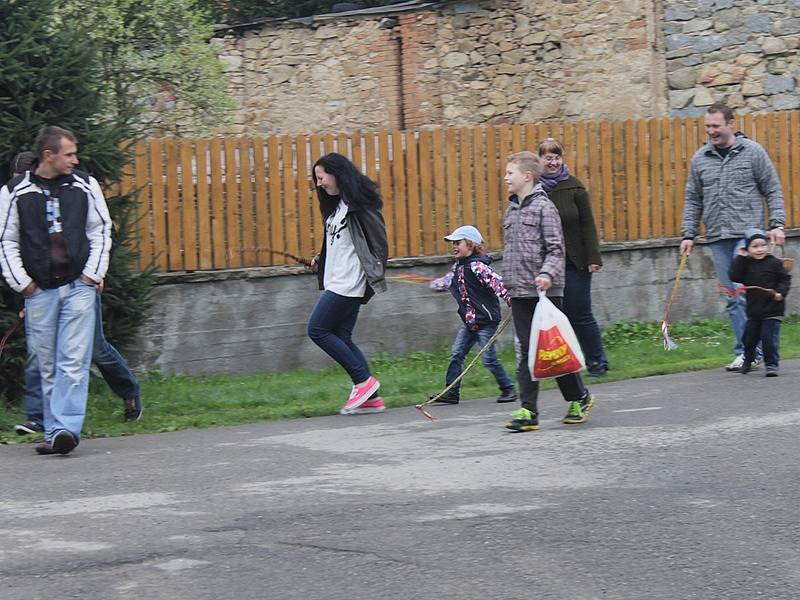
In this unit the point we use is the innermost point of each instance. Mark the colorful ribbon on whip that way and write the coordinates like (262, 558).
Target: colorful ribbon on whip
(669, 343)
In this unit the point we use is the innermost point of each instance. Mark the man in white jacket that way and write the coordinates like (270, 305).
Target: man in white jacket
(55, 237)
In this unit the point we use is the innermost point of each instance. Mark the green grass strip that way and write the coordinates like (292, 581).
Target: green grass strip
(174, 402)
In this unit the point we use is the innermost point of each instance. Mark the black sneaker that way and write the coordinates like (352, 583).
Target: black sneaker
(133, 409)
(28, 427)
(523, 419)
(772, 371)
(507, 395)
(63, 443)
(451, 397)
(746, 367)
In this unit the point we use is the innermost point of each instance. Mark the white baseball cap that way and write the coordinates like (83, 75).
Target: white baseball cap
(465, 232)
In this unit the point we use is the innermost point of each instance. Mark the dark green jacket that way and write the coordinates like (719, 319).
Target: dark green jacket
(580, 233)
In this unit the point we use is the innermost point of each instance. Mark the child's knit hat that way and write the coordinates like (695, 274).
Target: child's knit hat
(754, 234)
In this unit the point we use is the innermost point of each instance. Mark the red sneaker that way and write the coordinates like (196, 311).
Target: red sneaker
(359, 395)
(375, 405)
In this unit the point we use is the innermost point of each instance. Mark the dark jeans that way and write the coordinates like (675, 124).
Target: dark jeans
(330, 327)
(465, 340)
(578, 308)
(571, 385)
(116, 372)
(766, 331)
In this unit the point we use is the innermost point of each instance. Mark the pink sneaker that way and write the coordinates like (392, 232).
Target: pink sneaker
(375, 405)
(359, 395)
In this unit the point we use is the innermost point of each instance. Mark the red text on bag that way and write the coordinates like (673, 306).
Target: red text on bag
(554, 357)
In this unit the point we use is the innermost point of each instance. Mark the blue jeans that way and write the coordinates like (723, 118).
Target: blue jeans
(578, 308)
(465, 340)
(723, 252)
(330, 327)
(59, 328)
(112, 366)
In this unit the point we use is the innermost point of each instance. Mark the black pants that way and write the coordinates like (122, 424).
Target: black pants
(571, 385)
(765, 331)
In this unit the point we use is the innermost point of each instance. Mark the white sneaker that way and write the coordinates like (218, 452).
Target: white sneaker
(736, 364)
(739, 361)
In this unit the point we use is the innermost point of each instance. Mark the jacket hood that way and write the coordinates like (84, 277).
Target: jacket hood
(484, 258)
(536, 192)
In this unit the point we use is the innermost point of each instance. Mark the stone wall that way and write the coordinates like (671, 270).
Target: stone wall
(741, 52)
(456, 63)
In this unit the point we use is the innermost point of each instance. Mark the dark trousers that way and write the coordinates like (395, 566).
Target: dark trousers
(765, 331)
(330, 327)
(571, 385)
(578, 308)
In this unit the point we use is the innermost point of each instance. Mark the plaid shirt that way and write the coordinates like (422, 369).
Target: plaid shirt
(728, 193)
(534, 245)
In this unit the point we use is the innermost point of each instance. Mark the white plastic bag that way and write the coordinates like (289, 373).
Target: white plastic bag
(553, 348)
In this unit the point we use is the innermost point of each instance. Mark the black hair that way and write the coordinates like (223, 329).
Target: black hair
(22, 161)
(356, 189)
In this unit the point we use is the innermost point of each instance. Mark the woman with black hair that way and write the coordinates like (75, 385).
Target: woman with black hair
(350, 269)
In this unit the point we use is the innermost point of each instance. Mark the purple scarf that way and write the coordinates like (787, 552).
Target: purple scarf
(549, 181)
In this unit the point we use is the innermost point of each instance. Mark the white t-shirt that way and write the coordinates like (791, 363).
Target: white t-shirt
(344, 274)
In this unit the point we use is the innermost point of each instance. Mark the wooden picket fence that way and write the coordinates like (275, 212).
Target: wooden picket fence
(246, 201)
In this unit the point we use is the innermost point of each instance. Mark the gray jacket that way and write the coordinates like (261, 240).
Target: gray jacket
(534, 245)
(368, 231)
(728, 193)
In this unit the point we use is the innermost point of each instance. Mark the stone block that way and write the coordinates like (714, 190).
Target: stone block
(758, 23)
(680, 98)
(786, 27)
(785, 101)
(703, 96)
(280, 74)
(678, 40)
(326, 32)
(697, 25)
(677, 12)
(752, 88)
(708, 43)
(777, 84)
(747, 60)
(735, 100)
(682, 79)
(540, 37)
(455, 59)
(708, 73)
(729, 18)
(773, 45)
(539, 109)
(678, 53)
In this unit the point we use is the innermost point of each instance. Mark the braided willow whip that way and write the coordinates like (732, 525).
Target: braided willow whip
(669, 343)
(486, 346)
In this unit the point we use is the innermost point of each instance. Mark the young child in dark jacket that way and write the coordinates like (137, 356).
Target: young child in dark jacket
(755, 266)
(476, 287)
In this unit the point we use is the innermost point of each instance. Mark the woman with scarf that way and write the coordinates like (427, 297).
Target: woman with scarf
(350, 269)
(583, 251)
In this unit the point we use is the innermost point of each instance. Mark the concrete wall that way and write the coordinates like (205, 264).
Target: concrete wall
(254, 320)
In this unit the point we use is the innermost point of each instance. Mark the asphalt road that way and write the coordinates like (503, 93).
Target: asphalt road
(681, 486)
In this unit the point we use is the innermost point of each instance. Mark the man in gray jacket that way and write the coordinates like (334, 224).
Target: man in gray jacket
(729, 179)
